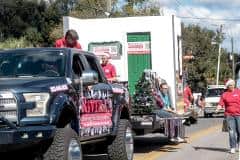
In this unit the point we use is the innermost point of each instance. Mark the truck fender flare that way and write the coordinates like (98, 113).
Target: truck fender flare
(120, 112)
(63, 104)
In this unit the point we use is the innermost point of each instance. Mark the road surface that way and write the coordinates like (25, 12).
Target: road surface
(205, 141)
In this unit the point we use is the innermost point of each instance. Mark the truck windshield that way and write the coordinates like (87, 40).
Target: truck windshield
(214, 92)
(32, 64)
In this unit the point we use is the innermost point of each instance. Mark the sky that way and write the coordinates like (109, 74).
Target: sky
(210, 14)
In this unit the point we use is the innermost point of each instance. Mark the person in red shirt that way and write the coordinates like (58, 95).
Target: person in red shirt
(69, 41)
(230, 100)
(187, 97)
(108, 68)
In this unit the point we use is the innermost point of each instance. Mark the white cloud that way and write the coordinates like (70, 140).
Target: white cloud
(164, 2)
(223, 3)
(208, 13)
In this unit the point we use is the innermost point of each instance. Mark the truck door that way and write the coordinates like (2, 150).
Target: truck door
(139, 56)
(96, 110)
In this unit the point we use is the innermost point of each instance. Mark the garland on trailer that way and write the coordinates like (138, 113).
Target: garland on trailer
(144, 99)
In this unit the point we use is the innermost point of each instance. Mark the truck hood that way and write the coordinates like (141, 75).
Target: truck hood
(212, 99)
(31, 84)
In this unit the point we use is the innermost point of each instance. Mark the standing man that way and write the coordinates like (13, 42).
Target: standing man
(108, 68)
(69, 41)
(187, 97)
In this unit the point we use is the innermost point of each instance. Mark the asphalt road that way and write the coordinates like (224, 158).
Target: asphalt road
(205, 141)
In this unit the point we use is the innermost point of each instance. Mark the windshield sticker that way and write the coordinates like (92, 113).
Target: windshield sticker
(117, 90)
(58, 88)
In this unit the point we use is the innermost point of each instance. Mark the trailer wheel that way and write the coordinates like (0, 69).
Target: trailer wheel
(65, 146)
(122, 146)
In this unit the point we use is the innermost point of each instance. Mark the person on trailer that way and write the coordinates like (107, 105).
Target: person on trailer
(69, 41)
(108, 68)
(173, 124)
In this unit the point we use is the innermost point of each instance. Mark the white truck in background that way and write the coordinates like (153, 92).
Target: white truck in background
(212, 98)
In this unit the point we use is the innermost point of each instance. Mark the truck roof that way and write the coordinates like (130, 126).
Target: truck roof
(70, 50)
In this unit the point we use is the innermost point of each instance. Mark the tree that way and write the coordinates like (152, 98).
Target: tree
(92, 9)
(139, 8)
(38, 20)
(99, 8)
(31, 19)
(203, 68)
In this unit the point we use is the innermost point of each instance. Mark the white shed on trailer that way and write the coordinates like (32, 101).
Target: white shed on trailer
(135, 43)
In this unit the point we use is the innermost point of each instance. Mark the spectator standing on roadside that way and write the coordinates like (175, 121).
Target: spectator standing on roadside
(69, 41)
(187, 97)
(230, 99)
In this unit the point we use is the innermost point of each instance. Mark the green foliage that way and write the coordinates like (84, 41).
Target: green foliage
(98, 8)
(39, 21)
(31, 19)
(92, 9)
(139, 8)
(15, 43)
(32, 35)
(202, 69)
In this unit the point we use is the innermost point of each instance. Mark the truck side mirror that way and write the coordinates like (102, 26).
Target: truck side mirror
(88, 77)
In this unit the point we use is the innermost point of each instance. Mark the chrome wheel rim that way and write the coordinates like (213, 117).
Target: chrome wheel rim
(74, 150)
(129, 143)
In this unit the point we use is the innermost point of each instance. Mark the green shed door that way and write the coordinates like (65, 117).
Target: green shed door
(139, 56)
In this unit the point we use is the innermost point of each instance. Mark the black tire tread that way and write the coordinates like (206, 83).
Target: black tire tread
(117, 150)
(57, 150)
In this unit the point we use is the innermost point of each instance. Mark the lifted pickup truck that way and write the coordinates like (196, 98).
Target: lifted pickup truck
(58, 103)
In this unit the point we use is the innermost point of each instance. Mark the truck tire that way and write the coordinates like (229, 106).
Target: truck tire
(122, 145)
(65, 146)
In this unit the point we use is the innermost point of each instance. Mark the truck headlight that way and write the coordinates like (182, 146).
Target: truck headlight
(41, 100)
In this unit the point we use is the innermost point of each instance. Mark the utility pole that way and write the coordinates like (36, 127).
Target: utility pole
(109, 8)
(233, 65)
(219, 54)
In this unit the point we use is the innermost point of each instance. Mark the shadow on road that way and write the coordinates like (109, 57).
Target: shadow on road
(154, 143)
(211, 149)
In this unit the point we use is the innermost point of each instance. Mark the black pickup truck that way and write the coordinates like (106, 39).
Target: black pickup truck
(57, 103)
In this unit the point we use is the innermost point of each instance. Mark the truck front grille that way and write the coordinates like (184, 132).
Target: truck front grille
(8, 106)
(7, 101)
